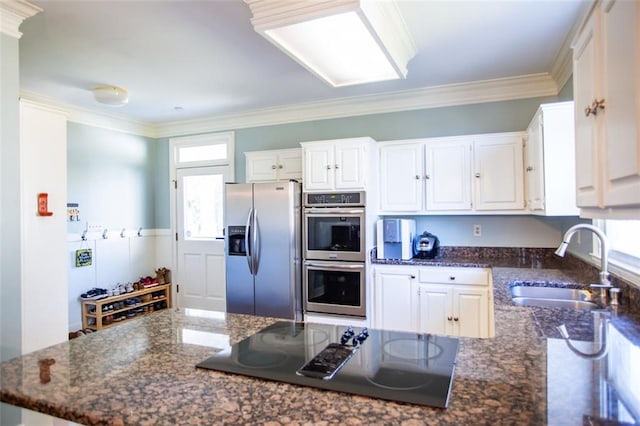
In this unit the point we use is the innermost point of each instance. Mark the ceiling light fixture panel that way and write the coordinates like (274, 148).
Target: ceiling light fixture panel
(344, 42)
(111, 95)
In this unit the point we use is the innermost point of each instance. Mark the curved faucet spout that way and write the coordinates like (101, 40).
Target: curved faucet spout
(604, 249)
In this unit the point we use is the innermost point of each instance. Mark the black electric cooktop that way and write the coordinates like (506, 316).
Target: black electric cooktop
(397, 366)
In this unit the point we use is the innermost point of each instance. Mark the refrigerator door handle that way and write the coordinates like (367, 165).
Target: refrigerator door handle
(247, 241)
(255, 257)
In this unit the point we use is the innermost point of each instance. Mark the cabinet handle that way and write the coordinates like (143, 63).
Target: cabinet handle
(280, 166)
(328, 167)
(477, 175)
(273, 167)
(455, 318)
(336, 167)
(449, 318)
(452, 278)
(427, 177)
(595, 106)
(413, 277)
(529, 168)
(417, 177)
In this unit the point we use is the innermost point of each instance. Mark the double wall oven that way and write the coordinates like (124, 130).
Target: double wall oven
(334, 253)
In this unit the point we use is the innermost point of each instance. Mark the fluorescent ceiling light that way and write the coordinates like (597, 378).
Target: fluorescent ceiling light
(344, 42)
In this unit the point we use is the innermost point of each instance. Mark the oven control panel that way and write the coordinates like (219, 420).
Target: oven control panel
(332, 199)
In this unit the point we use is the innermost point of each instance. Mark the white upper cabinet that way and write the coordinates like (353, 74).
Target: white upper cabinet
(340, 164)
(436, 175)
(273, 165)
(448, 174)
(606, 60)
(498, 172)
(550, 161)
(401, 177)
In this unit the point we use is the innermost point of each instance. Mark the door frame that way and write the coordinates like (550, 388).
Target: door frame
(175, 144)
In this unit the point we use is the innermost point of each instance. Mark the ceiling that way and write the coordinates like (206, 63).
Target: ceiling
(184, 60)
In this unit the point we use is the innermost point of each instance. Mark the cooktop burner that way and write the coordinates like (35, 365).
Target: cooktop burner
(398, 366)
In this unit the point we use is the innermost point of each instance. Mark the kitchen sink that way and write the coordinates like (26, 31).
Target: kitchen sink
(552, 297)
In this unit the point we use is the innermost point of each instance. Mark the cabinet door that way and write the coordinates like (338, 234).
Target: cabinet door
(290, 164)
(621, 139)
(585, 87)
(534, 165)
(401, 183)
(448, 175)
(318, 167)
(350, 165)
(435, 306)
(498, 164)
(261, 166)
(392, 299)
(471, 313)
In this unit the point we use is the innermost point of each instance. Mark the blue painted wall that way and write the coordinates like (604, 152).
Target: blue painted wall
(113, 176)
(123, 180)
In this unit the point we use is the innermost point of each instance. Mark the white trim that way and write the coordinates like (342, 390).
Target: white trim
(501, 89)
(93, 118)
(73, 237)
(496, 90)
(13, 13)
(562, 67)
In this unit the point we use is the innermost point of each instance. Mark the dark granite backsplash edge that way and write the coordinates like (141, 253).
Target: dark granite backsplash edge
(545, 258)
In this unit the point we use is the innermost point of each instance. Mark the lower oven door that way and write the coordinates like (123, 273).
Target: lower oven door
(335, 288)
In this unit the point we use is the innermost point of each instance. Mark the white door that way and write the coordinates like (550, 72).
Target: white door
(401, 186)
(200, 241)
(499, 176)
(434, 309)
(318, 167)
(392, 299)
(448, 175)
(620, 42)
(350, 165)
(586, 63)
(471, 312)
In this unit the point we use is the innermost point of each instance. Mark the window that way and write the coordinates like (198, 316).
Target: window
(624, 256)
(212, 149)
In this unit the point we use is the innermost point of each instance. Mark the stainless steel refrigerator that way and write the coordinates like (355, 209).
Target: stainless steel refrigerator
(262, 248)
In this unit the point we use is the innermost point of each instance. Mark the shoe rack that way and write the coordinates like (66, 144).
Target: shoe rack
(114, 310)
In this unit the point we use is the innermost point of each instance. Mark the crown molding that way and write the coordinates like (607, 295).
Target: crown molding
(495, 90)
(92, 118)
(13, 13)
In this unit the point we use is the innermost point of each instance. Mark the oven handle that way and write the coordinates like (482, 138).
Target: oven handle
(332, 211)
(333, 265)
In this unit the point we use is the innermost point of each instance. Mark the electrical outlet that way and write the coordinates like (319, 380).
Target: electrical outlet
(477, 230)
(94, 227)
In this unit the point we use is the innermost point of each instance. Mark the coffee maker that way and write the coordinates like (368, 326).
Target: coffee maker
(395, 238)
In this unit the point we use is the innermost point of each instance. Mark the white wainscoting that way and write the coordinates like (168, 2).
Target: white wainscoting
(115, 259)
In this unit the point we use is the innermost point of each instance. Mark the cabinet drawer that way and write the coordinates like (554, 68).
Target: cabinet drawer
(444, 275)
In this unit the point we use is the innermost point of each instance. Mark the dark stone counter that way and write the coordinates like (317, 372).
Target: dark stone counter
(143, 373)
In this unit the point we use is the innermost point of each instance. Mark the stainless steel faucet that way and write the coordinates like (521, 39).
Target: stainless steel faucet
(605, 284)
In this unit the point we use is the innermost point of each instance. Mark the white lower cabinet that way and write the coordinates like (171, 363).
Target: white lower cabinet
(455, 311)
(393, 298)
(434, 300)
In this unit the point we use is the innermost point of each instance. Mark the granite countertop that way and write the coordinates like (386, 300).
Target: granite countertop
(143, 373)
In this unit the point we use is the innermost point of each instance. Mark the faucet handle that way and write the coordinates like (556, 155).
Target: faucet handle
(614, 295)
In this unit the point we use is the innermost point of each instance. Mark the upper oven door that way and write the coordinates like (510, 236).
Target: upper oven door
(334, 234)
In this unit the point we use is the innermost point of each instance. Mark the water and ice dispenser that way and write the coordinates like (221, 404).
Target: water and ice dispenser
(395, 238)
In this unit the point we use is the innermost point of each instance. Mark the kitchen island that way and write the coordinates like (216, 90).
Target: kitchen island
(143, 373)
